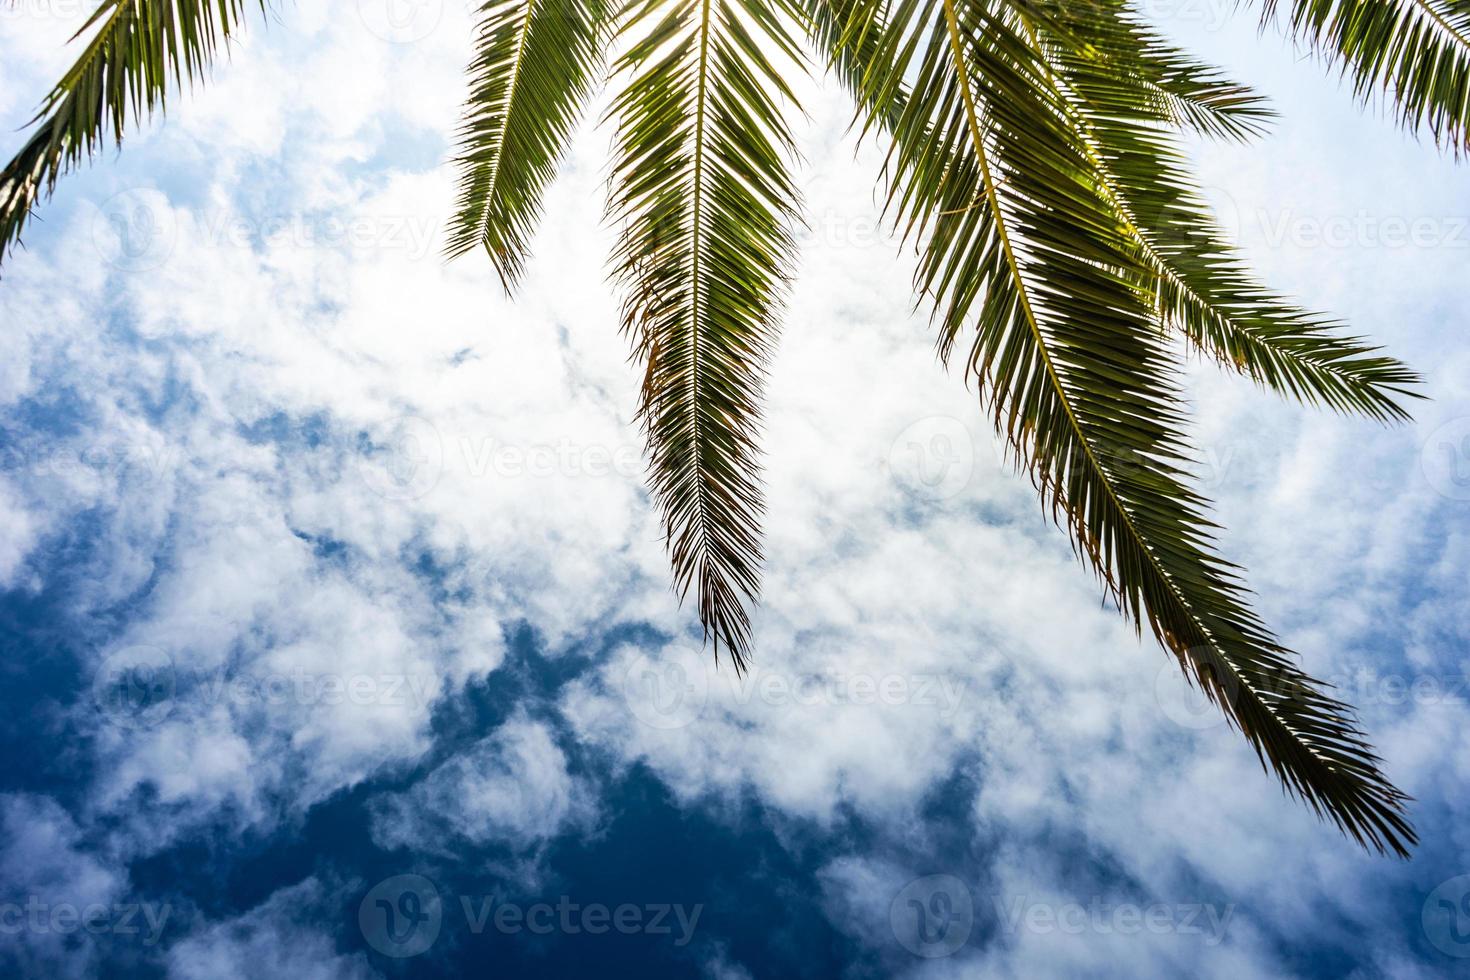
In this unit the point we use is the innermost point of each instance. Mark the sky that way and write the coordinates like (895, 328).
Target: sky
(338, 634)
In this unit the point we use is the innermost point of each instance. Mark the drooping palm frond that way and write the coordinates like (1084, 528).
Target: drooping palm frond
(1157, 78)
(137, 50)
(536, 62)
(701, 193)
(1415, 51)
(1203, 288)
(1022, 242)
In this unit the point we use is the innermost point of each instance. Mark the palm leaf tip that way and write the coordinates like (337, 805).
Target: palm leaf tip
(704, 203)
(1307, 738)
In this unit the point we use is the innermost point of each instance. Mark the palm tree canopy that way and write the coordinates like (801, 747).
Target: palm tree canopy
(1034, 160)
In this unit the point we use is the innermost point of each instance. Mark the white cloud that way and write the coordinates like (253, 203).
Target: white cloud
(511, 788)
(270, 940)
(49, 883)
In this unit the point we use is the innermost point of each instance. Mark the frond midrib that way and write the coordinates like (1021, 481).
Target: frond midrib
(696, 235)
(507, 106)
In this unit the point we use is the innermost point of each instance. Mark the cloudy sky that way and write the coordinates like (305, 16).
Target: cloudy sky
(338, 638)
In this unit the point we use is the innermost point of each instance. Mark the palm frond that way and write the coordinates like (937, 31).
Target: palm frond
(535, 64)
(1160, 80)
(1203, 288)
(1022, 241)
(1415, 51)
(701, 191)
(137, 50)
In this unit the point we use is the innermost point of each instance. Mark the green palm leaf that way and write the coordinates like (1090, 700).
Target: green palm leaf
(1023, 241)
(535, 64)
(701, 192)
(139, 49)
(1203, 288)
(1415, 51)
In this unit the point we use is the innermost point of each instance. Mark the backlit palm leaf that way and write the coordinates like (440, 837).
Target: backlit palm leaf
(704, 202)
(1024, 242)
(1416, 51)
(535, 64)
(1203, 289)
(136, 51)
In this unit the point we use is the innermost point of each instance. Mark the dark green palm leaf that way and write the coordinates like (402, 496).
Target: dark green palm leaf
(1203, 288)
(1023, 242)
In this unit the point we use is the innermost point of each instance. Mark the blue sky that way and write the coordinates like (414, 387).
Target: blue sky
(338, 634)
